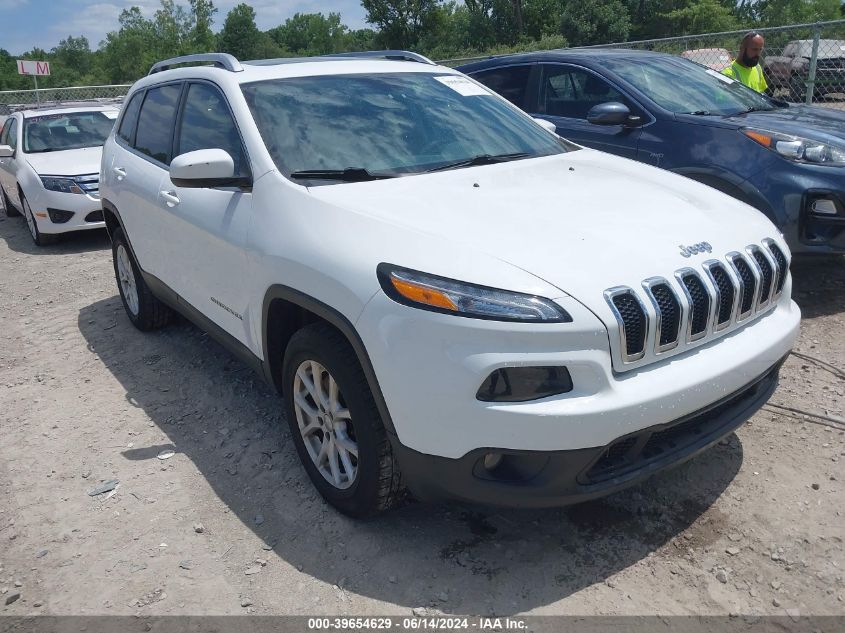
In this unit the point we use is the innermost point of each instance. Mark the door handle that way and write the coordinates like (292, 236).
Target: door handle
(120, 172)
(170, 197)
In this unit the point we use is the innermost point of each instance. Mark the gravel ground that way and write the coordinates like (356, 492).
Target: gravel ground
(230, 524)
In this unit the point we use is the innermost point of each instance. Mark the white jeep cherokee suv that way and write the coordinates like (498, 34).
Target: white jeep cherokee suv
(451, 298)
(49, 167)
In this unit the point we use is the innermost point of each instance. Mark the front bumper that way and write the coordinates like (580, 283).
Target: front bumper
(791, 190)
(534, 479)
(47, 206)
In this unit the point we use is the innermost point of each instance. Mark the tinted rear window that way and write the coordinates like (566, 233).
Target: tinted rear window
(130, 117)
(155, 123)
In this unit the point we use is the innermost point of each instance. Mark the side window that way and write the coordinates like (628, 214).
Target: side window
(12, 133)
(130, 117)
(511, 82)
(208, 124)
(570, 92)
(5, 131)
(155, 122)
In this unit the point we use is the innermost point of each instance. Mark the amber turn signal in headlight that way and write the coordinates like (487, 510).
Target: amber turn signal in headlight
(439, 294)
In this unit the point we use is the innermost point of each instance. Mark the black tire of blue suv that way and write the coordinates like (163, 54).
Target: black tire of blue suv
(377, 486)
(152, 314)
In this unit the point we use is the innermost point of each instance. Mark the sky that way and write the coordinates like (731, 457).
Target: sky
(44, 23)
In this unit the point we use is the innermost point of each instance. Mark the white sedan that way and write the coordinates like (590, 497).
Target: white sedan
(50, 168)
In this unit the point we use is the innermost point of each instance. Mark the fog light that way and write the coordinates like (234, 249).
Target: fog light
(824, 206)
(492, 460)
(520, 384)
(59, 216)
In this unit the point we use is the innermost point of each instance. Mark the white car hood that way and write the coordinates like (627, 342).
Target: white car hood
(583, 221)
(68, 162)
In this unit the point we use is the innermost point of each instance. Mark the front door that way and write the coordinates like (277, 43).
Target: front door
(566, 94)
(208, 226)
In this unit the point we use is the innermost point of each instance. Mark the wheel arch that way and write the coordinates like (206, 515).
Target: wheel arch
(286, 310)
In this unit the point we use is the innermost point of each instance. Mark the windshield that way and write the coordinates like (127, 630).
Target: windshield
(68, 130)
(396, 123)
(681, 86)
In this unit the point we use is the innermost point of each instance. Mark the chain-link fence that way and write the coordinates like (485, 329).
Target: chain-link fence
(801, 63)
(14, 99)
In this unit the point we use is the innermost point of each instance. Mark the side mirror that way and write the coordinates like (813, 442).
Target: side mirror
(6, 151)
(551, 127)
(611, 113)
(204, 168)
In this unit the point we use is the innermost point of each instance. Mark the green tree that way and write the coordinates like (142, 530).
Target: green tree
(240, 35)
(311, 34)
(781, 12)
(401, 23)
(700, 16)
(202, 38)
(595, 22)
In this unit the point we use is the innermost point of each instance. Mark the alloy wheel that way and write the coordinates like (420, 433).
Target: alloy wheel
(325, 424)
(126, 278)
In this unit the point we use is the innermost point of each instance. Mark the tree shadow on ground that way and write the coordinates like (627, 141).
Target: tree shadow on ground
(462, 559)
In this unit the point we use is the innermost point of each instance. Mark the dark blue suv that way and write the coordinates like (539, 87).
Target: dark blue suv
(786, 160)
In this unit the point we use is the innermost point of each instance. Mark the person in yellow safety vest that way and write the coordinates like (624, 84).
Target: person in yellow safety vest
(746, 67)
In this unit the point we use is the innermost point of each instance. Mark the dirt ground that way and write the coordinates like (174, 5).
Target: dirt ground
(230, 524)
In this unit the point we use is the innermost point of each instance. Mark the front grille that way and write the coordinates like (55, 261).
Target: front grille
(725, 298)
(699, 302)
(670, 313)
(766, 273)
(727, 294)
(749, 284)
(632, 315)
(89, 183)
(780, 260)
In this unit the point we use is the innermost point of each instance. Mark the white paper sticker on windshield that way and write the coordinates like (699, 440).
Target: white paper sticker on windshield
(719, 76)
(462, 85)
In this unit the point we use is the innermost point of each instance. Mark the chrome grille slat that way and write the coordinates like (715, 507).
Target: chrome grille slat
(748, 280)
(781, 263)
(699, 301)
(698, 304)
(633, 331)
(668, 312)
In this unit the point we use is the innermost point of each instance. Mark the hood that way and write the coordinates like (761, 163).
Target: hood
(583, 221)
(822, 124)
(69, 162)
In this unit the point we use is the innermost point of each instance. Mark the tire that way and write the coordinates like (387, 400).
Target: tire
(144, 310)
(11, 212)
(40, 239)
(373, 485)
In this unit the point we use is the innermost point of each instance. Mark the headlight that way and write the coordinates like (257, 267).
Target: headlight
(798, 149)
(64, 185)
(438, 294)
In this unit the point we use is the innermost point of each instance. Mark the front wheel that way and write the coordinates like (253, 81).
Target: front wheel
(38, 237)
(142, 307)
(11, 212)
(335, 424)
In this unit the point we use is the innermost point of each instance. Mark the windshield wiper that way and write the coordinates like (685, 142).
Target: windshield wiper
(481, 159)
(699, 113)
(350, 174)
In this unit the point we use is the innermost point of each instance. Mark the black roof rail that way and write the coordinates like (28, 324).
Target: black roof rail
(220, 60)
(396, 55)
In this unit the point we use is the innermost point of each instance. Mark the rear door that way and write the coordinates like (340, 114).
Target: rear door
(566, 93)
(513, 82)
